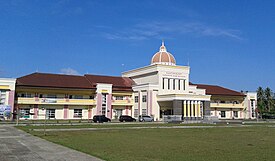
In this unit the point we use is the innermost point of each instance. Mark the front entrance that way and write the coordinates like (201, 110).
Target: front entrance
(117, 113)
(165, 112)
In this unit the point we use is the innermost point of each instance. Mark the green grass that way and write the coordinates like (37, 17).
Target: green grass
(220, 143)
(108, 125)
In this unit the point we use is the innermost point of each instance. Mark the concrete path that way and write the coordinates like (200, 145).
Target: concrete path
(16, 145)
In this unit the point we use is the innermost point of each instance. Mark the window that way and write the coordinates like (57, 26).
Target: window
(174, 84)
(78, 97)
(184, 84)
(144, 112)
(41, 96)
(27, 95)
(104, 98)
(51, 96)
(70, 96)
(136, 99)
(78, 113)
(119, 97)
(104, 104)
(252, 103)
(223, 114)
(179, 84)
(168, 83)
(144, 98)
(50, 113)
(235, 113)
(136, 113)
(163, 83)
(24, 113)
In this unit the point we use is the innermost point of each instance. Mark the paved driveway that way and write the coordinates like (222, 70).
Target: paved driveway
(16, 145)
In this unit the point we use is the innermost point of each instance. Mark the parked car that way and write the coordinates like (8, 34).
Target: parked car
(126, 118)
(101, 118)
(145, 118)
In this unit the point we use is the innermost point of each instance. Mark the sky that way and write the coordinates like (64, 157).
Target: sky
(225, 42)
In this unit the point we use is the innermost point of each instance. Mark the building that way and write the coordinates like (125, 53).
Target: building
(7, 91)
(72, 97)
(161, 90)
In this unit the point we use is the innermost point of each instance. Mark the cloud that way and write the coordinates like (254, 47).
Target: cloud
(69, 71)
(160, 30)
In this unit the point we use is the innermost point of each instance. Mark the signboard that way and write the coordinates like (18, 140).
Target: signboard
(47, 100)
(174, 74)
(5, 111)
(104, 91)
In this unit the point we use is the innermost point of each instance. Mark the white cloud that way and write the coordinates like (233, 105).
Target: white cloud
(69, 71)
(170, 29)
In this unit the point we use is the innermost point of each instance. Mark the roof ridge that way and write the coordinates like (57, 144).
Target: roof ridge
(104, 75)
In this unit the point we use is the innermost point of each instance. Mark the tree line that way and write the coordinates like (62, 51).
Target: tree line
(265, 100)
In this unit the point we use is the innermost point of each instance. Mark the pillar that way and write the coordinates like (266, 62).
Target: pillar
(98, 103)
(66, 111)
(90, 112)
(188, 108)
(192, 108)
(199, 108)
(126, 110)
(35, 110)
(177, 107)
(184, 108)
(196, 108)
(109, 105)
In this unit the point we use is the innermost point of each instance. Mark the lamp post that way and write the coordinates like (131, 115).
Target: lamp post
(44, 121)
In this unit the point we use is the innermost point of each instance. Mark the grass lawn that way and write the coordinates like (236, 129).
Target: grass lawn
(219, 143)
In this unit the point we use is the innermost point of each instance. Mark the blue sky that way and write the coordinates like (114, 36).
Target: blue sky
(228, 43)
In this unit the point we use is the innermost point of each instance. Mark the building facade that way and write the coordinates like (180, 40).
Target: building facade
(7, 92)
(160, 89)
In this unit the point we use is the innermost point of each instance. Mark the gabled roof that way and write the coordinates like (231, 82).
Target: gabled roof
(54, 80)
(218, 90)
(72, 81)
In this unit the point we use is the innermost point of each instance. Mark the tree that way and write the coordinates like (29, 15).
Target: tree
(260, 100)
(268, 99)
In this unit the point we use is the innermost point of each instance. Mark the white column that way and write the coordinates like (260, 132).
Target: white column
(196, 108)
(188, 108)
(184, 108)
(192, 108)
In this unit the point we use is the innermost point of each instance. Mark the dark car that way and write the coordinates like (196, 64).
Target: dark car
(126, 118)
(101, 118)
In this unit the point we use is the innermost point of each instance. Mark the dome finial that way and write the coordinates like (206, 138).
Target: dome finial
(163, 57)
(162, 47)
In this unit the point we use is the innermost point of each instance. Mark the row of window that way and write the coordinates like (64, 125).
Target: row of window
(173, 84)
(144, 98)
(219, 101)
(50, 113)
(235, 114)
(143, 111)
(28, 95)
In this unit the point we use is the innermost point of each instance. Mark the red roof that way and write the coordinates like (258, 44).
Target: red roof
(218, 90)
(73, 81)
(53, 80)
(117, 82)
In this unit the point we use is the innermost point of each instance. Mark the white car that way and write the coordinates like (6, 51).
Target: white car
(144, 118)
